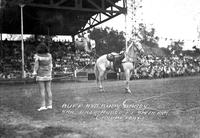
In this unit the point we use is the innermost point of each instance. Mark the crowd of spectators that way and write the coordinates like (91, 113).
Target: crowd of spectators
(66, 60)
(159, 67)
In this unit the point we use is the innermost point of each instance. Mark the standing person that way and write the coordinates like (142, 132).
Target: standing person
(43, 72)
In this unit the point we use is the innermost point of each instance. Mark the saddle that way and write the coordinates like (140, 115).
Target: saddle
(117, 60)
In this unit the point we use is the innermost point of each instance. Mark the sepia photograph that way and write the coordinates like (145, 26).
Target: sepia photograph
(99, 69)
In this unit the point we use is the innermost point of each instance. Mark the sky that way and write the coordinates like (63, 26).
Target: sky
(172, 19)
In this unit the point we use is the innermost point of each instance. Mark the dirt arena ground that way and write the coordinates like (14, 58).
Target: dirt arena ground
(160, 108)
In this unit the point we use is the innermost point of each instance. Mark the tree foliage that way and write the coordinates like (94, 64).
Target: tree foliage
(107, 40)
(147, 36)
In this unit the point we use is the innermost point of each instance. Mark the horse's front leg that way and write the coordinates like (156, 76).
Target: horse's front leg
(128, 75)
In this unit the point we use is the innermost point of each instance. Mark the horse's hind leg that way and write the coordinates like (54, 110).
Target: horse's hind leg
(101, 77)
(128, 75)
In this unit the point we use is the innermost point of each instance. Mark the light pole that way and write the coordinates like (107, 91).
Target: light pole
(125, 20)
(22, 39)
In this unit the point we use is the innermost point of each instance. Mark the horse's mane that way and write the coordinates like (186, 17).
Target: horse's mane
(130, 53)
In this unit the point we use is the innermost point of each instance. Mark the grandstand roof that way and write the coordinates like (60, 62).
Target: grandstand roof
(56, 17)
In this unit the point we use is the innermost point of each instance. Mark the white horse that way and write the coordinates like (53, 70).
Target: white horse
(103, 64)
(85, 44)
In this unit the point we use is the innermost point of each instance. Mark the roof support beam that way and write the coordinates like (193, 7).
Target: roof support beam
(96, 20)
(99, 8)
(95, 24)
(67, 8)
(78, 4)
(114, 5)
(92, 12)
(60, 2)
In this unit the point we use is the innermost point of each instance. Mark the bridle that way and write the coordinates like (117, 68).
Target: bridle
(135, 48)
(139, 50)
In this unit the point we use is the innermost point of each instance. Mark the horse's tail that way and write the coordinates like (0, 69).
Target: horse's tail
(96, 71)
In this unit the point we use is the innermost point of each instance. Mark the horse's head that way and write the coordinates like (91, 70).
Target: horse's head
(133, 51)
(135, 48)
(139, 47)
